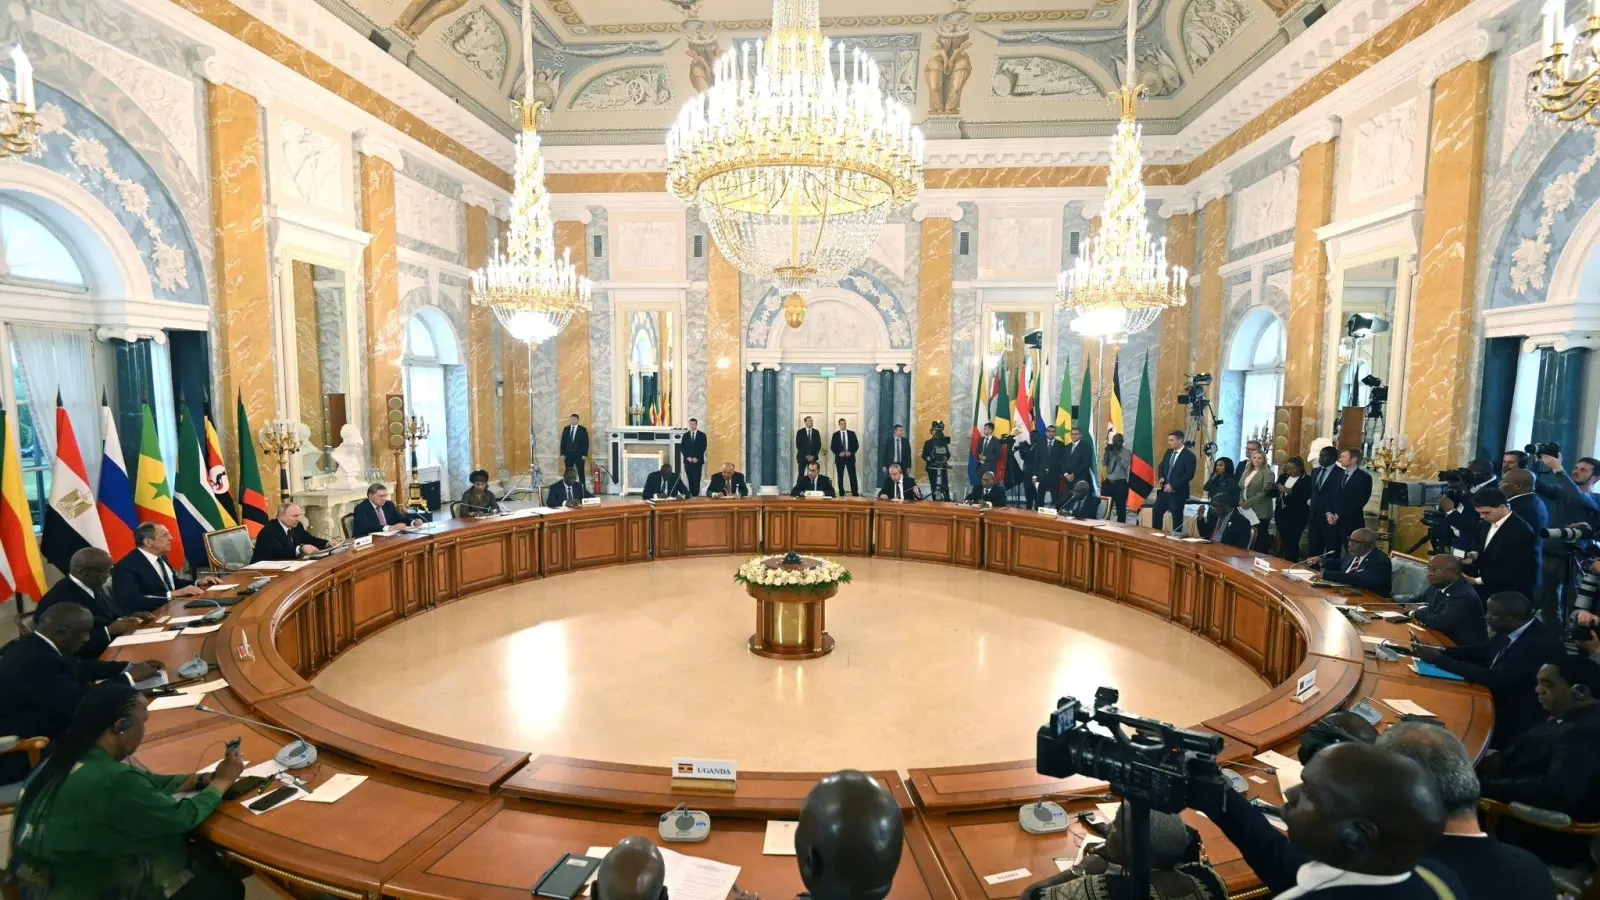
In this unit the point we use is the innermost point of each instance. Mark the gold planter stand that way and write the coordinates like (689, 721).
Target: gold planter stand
(791, 622)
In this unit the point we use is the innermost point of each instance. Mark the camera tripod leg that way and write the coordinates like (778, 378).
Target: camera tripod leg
(1138, 835)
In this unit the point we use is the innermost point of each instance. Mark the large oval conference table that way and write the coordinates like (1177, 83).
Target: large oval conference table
(440, 817)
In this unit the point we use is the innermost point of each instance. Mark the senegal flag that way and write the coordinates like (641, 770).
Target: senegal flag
(252, 503)
(152, 495)
(1002, 404)
(1142, 477)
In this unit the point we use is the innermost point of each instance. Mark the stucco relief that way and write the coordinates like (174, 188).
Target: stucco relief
(311, 162)
(1021, 243)
(1267, 207)
(1040, 77)
(1383, 151)
(480, 42)
(632, 87)
(426, 215)
(1209, 25)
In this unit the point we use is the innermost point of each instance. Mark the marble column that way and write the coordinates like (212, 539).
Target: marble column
(1174, 352)
(1562, 374)
(769, 429)
(381, 285)
(935, 294)
(243, 299)
(480, 347)
(1308, 294)
(1208, 304)
(724, 440)
(1496, 395)
(1442, 341)
(574, 391)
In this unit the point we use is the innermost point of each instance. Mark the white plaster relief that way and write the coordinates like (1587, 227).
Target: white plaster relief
(632, 87)
(891, 249)
(427, 215)
(1383, 151)
(648, 246)
(1519, 115)
(1020, 243)
(1209, 25)
(1039, 77)
(480, 41)
(1267, 207)
(311, 164)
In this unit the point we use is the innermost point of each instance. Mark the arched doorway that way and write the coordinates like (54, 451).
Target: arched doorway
(1252, 382)
(435, 390)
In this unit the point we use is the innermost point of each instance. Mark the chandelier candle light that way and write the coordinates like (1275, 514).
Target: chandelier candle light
(19, 125)
(795, 155)
(1565, 85)
(533, 293)
(1121, 283)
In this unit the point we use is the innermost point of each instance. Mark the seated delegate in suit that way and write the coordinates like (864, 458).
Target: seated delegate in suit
(812, 480)
(286, 537)
(1502, 558)
(665, 484)
(378, 513)
(1082, 502)
(143, 580)
(93, 824)
(898, 486)
(1507, 664)
(1363, 565)
(1450, 606)
(569, 490)
(1556, 765)
(88, 573)
(1222, 523)
(986, 491)
(478, 500)
(728, 483)
(42, 679)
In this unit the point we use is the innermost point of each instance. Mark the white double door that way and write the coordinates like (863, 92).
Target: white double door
(826, 401)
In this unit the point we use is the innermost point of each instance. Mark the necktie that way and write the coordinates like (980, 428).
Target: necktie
(898, 493)
(166, 571)
(896, 451)
(1499, 653)
(1216, 533)
(1322, 477)
(381, 520)
(1355, 564)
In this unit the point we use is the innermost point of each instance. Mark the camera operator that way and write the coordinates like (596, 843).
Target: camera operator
(1511, 460)
(1456, 504)
(936, 459)
(1569, 504)
(1171, 874)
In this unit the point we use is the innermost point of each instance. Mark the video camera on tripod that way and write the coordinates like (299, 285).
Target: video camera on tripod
(1201, 414)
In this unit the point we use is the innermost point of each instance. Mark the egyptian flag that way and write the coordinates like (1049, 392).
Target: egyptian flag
(252, 502)
(71, 518)
(20, 567)
(217, 472)
(1142, 474)
(117, 515)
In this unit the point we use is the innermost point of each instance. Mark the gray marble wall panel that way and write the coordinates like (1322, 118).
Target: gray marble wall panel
(546, 418)
(600, 346)
(963, 348)
(752, 425)
(458, 423)
(695, 339)
(497, 366)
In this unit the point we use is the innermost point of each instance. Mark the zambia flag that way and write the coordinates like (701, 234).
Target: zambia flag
(252, 503)
(1142, 477)
(152, 495)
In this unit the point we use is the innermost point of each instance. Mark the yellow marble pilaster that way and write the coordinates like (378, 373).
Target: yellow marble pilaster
(725, 372)
(574, 392)
(480, 347)
(309, 363)
(243, 298)
(936, 290)
(1208, 305)
(1308, 295)
(1173, 353)
(382, 296)
(1436, 402)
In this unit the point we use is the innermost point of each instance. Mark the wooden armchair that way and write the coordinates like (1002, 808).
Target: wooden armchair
(1549, 820)
(34, 747)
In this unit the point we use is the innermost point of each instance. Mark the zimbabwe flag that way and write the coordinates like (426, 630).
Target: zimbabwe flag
(1142, 474)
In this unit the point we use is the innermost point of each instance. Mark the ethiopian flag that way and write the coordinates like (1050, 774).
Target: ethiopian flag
(1142, 477)
(152, 495)
(252, 503)
(20, 567)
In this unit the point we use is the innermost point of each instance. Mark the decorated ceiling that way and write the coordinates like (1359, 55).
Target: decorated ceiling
(617, 71)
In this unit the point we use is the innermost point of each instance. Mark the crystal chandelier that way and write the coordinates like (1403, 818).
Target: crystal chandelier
(795, 155)
(1121, 283)
(1565, 85)
(532, 292)
(19, 127)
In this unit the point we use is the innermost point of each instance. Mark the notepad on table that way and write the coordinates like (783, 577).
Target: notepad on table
(178, 701)
(1407, 708)
(154, 637)
(780, 839)
(1422, 667)
(335, 787)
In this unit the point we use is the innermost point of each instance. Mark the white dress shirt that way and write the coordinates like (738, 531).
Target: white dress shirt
(1314, 876)
(162, 569)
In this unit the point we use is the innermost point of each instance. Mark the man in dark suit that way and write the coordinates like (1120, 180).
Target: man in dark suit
(1502, 557)
(898, 486)
(87, 575)
(1173, 478)
(1528, 506)
(1556, 765)
(574, 444)
(286, 538)
(987, 491)
(1463, 517)
(378, 513)
(569, 490)
(1322, 491)
(665, 484)
(1351, 488)
(1507, 664)
(897, 450)
(143, 581)
(1082, 502)
(1080, 460)
(1047, 465)
(692, 450)
(1364, 566)
(42, 677)
(990, 449)
(1450, 606)
(812, 480)
(728, 483)
(807, 446)
(1222, 523)
(844, 447)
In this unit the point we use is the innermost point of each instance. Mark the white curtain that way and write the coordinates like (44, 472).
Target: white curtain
(51, 360)
(166, 411)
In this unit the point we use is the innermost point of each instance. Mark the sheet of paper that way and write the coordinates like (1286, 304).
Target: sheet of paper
(156, 680)
(1193, 540)
(299, 793)
(1389, 615)
(264, 770)
(1062, 863)
(1374, 641)
(183, 620)
(693, 878)
(1003, 877)
(179, 702)
(204, 687)
(335, 787)
(1407, 708)
(1108, 811)
(1288, 769)
(780, 839)
(155, 637)
(220, 588)
(201, 629)
(269, 565)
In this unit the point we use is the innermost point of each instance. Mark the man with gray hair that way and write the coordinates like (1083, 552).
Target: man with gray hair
(1489, 869)
(286, 537)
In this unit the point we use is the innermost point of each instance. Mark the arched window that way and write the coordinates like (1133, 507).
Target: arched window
(32, 253)
(430, 346)
(1254, 378)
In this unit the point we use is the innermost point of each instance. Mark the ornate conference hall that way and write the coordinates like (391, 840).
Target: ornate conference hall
(515, 426)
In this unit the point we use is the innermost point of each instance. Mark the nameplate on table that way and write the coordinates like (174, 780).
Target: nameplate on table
(812, 495)
(1262, 566)
(361, 542)
(590, 501)
(717, 775)
(1048, 512)
(1306, 687)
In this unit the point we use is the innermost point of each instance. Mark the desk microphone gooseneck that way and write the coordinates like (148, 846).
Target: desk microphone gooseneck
(296, 754)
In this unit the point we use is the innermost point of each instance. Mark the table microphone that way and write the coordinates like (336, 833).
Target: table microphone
(296, 754)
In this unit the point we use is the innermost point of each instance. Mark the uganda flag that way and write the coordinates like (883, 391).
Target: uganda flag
(1142, 474)
(1116, 396)
(252, 503)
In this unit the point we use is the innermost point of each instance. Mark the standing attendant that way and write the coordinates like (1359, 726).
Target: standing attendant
(807, 446)
(989, 450)
(1291, 496)
(844, 447)
(574, 444)
(693, 452)
(1173, 478)
(1119, 465)
(898, 450)
(1080, 460)
(1255, 491)
(1322, 486)
(1352, 488)
(1049, 466)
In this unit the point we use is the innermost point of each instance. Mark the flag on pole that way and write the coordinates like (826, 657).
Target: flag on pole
(1002, 403)
(1034, 395)
(1024, 407)
(117, 515)
(217, 471)
(21, 567)
(1064, 400)
(978, 395)
(252, 503)
(1086, 415)
(1142, 469)
(71, 520)
(1116, 394)
(194, 504)
(152, 494)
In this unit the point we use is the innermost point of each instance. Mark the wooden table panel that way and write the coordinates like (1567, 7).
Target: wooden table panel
(702, 527)
(927, 531)
(1271, 718)
(828, 526)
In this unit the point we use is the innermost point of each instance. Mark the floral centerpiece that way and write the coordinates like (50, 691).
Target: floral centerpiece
(792, 571)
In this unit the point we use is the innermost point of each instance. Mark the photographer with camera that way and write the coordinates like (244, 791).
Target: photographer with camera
(1460, 517)
(1570, 506)
(1171, 874)
(936, 459)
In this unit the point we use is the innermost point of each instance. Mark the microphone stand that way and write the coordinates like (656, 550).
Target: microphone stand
(296, 754)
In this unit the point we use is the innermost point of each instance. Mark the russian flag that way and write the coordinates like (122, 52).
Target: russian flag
(117, 516)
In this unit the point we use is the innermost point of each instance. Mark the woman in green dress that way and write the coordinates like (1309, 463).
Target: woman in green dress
(93, 826)
(1176, 870)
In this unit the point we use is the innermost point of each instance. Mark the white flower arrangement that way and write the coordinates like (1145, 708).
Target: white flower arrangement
(826, 573)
